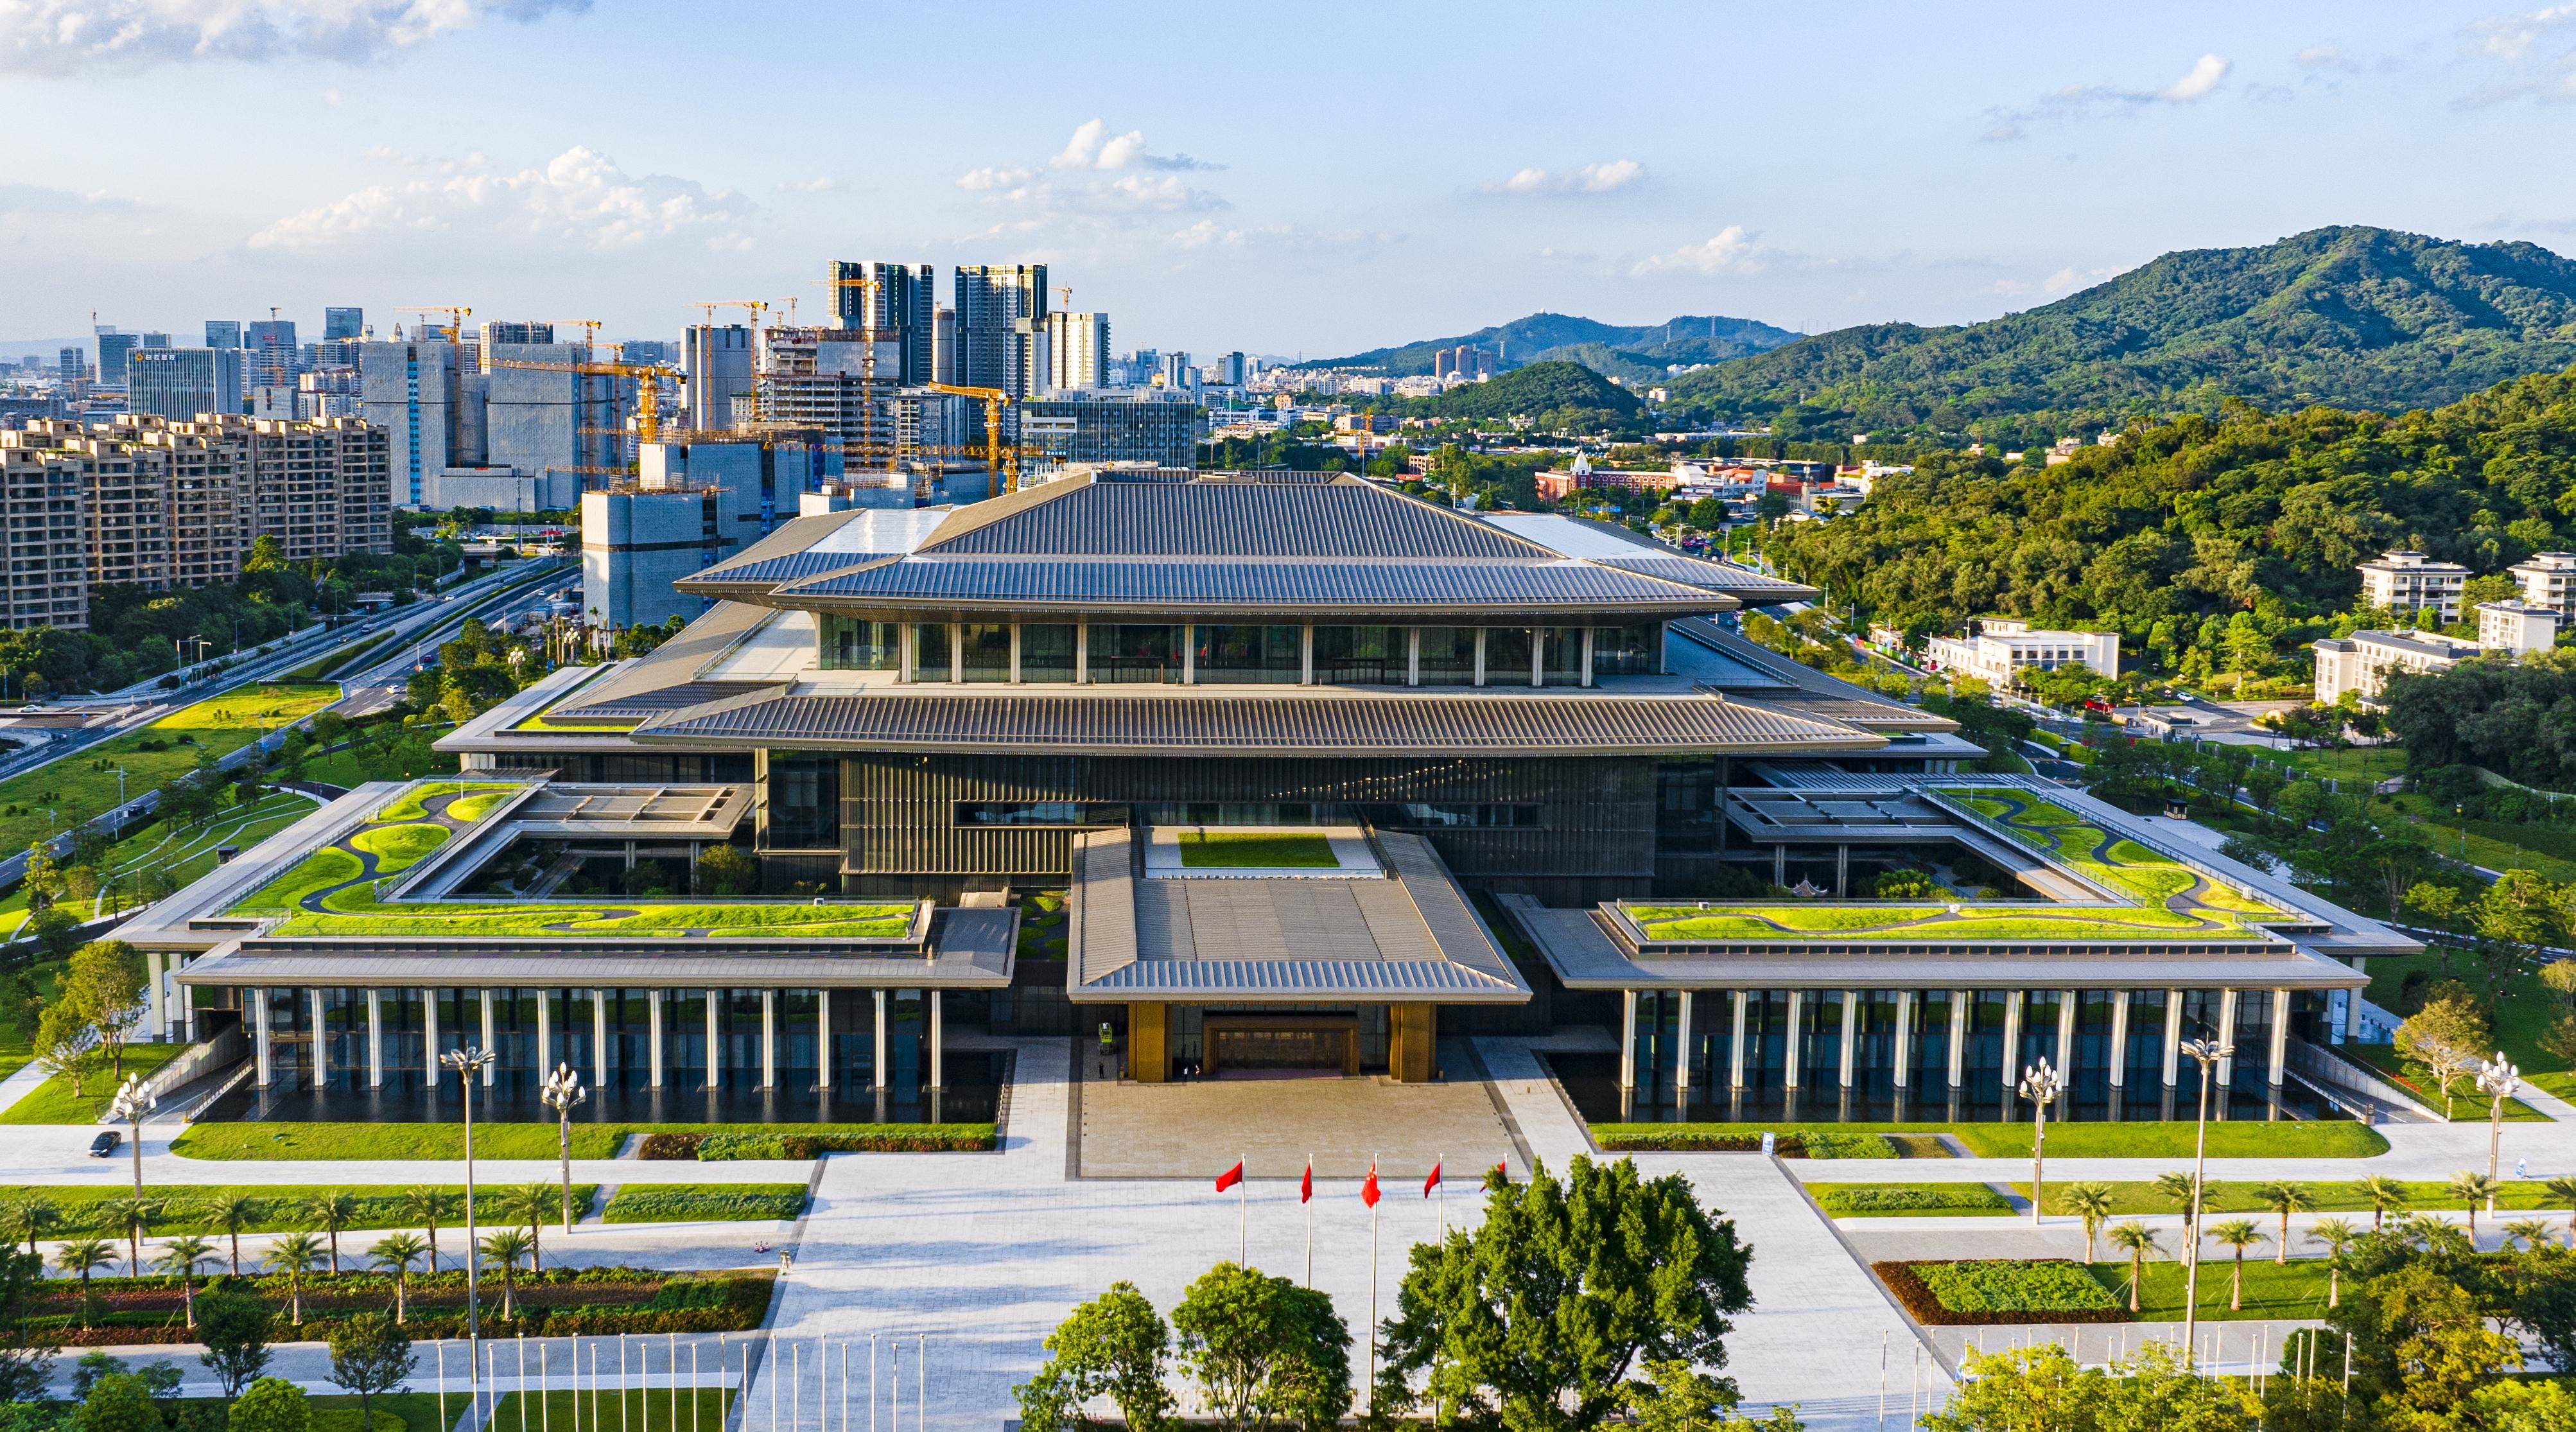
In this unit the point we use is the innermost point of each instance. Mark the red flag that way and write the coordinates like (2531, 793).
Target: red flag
(1503, 1170)
(1306, 1185)
(1230, 1177)
(1368, 1187)
(1432, 1182)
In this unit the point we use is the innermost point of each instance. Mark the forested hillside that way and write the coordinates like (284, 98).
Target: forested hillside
(2354, 317)
(1685, 339)
(1571, 392)
(2193, 521)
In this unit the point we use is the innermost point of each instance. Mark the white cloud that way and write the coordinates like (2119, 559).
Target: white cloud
(819, 184)
(578, 199)
(1734, 250)
(1094, 147)
(1208, 233)
(2084, 101)
(2326, 57)
(1588, 179)
(59, 35)
(2205, 75)
(2533, 55)
(1099, 183)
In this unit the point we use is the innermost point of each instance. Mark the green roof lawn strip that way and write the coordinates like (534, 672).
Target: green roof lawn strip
(414, 803)
(1256, 849)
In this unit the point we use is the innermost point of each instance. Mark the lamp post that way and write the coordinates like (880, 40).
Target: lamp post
(130, 1105)
(2041, 1085)
(469, 1062)
(2497, 1079)
(561, 1093)
(2206, 1053)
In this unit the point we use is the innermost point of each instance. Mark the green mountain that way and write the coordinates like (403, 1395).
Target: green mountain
(1539, 388)
(2352, 317)
(1541, 336)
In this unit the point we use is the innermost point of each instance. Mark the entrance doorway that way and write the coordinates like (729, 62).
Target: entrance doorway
(1282, 1046)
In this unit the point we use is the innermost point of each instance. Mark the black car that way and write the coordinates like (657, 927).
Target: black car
(105, 1143)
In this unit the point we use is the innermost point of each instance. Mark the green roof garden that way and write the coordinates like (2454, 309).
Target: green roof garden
(334, 891)
(2118, 865)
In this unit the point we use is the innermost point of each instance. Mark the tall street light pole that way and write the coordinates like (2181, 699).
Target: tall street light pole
(2040, 1085)
(131, 1104)
(2497, 1079)
(561, 1093)
(468, 1062)
(2206, 1053)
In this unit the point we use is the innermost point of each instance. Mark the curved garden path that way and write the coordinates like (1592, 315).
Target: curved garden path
(2185, 902)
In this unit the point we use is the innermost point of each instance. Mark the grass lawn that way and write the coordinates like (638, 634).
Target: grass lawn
(391, 1141)
(1255, 848)
(2356, 763)
(664, 1203)
(53, 1101)
(343, 768)
(356, 912)
(2296, 1289)
(15, 1052)
(2495, 844)
(2133, 1197)
(646, 1410)
(1908, 1200)
(388, 1412)
(414, 803)
(83, 785)
(185, 853)
(399, 847)
(1822, 920)
(187, 1208)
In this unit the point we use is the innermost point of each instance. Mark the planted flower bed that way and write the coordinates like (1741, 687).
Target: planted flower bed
(1808, 1143)
(716, 1145)
(557, 1302)
(1998, 1290)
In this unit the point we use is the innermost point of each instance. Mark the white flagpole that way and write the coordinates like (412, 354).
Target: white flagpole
(1372, 1354)
(1243, 1211)
(1306, 1192)
(1442, 1164)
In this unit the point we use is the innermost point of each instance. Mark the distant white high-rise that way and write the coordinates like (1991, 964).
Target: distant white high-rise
(1077, 350)
(1001, 327)
(717, 360)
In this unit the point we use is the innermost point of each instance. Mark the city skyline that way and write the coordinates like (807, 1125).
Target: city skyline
(1448, 175)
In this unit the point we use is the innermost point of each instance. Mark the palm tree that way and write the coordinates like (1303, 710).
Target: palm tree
(35, 1217)
(294, 1255)
(329, 1213)
(2239, 1234)
(133, 1215)
(2137, 1240)
(181, 1256)
(2090, 1202)
(2384, 1194)
(2176, 1188)
(84, 1256)
(533, 1205)
(399, 1251)
(2471, 1188)
(426, 1206)
(2334, 1233)
(233, 1212)
(2285, 1199)
(2530, 1232)
(503, 1249)
(2563, 1190)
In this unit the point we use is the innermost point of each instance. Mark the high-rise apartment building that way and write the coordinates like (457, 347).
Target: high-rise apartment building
(71, 365)
(1233, 370)
(275, 358)
(943, 345)
(1001, 327)
(1077, 350)
(499, 332)
(418, 394)
(223, 333)
(1177, 373)
(343, 323)
(180, 383)
(113, 350)
(899, 301)
(42, 499)
(717, 360)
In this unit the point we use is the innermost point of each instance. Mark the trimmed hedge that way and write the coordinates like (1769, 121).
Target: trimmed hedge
(1970, 1292)
(666, 1203)
(558, 1302)
(1861, 1200)
(786, 1142)
(1804, 1144)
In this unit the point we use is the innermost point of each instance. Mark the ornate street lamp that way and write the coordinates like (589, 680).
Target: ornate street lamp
(2207, 1053)
(562, 1092)
(131, 1104)
(2041, 1086)
(2497, 1079)
(468, 1063)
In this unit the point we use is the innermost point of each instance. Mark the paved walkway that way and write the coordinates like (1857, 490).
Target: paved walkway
(1191, 1130)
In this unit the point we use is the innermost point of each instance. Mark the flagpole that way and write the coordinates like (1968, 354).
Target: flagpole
(1307, 1197)
(1243, 1212)
(1372, 1352)
(1438, 1165)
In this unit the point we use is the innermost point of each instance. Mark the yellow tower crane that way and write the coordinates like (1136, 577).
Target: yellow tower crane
(456, 316)
(648, 388)
(1004, 460)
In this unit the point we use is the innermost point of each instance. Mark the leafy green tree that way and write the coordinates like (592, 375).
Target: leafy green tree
(272, 1405)
(2090, 1202)
(119, 1402)
(1264, 1350)
(2421, 1345)
(1114, 1346)
(232, 1212)
(234, 1324)
(2155, 1390)
(2336, 1234)
(531, 1204)
(1544, 1313)
(104, 982)
(2385, 1194)
(725, 870)
(1677, 1397)
(135, 1216)
(26, 1353)
(371, 1355)
(2448, 1038)
(426, 1207)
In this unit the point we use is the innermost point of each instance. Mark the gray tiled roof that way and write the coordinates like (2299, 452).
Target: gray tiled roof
(1248, 720)
(1194, 584)
(793, 567)
(1713, 576)
(1228, 519)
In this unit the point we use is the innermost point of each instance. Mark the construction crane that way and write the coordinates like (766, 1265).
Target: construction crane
(589, 327)
(1004, 461)
(755, 306)
(867, 288)
(456, 316)
(648, 388)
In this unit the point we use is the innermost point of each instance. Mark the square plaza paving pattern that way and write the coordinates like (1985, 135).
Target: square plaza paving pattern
(1196, 1130)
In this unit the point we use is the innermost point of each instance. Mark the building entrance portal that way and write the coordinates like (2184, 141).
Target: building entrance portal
(1282, 1047)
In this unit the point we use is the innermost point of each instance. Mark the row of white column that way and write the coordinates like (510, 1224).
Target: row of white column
(258, 999)
(2277, 1057)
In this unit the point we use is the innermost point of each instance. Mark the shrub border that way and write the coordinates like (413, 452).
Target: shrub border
(1916, 1297)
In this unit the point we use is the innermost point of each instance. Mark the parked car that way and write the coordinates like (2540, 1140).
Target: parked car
(105, 1143)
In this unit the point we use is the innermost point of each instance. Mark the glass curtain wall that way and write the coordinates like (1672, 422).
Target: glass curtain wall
(1274, 655)
(930, 647)
(984, 651)
(1448, 656)
(1507, 656)
(1046, 652)
(1136, 654)
(1562, 656)
(1360, 655)
(852, 645)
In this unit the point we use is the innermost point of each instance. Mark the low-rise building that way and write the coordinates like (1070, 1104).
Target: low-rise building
(2549, 580)
(693, 504)
(2405, 581)
(2361, 663)
(2005, 647)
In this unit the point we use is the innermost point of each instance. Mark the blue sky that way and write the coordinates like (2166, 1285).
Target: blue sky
(1306, 179)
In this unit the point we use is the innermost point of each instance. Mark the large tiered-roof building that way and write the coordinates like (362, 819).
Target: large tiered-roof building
(1269, 775)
